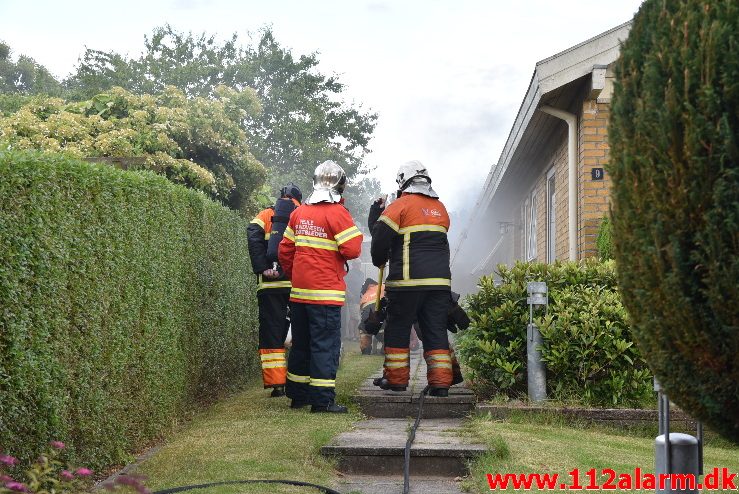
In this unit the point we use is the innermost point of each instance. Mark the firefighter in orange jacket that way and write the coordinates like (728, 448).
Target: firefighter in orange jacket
(273, 291)
(412, 234)
(320, 237)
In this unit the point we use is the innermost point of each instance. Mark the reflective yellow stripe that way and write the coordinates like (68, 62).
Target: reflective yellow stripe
(439, 365)
(439, 356)
(324, 383)
(319, 295)
(328, 298)
(406, 256)
(422, 228)
(316, 243)
(273, 365)
(347, 235)
(268, 356)
(419, 282)
(318, 292)
(396, 365)
(289, 234)
(259, 222)
(397, 356)
(261, 284)
(389, 222)
(298, 379)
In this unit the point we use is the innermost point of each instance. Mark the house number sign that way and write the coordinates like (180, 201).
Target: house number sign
(597, 173)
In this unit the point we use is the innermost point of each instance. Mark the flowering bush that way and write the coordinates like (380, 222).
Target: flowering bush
(197, 142)
(49, 475)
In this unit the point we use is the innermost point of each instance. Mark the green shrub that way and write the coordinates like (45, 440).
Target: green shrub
(587, 342)
(604, 242)
(675, 169)
(125, 300)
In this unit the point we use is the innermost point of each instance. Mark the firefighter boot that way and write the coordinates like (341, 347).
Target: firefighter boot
(294, 404)
(330, 408)
(383, 383)
(277, 391)
(440, 392)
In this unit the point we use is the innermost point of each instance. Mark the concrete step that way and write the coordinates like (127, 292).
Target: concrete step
(376, 447)
(379, 403)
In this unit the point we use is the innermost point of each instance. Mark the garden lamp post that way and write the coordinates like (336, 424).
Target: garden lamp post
(676, 453)
(536, 372)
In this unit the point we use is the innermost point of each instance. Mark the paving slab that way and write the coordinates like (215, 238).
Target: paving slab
(377, 447)
(365, 484)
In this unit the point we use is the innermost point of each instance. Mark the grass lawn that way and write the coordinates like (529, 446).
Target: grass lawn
(549, 446)
(252, 436)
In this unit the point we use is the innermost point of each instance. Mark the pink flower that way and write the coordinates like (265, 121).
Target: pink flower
(57, 444)
(16, 486)
(84, 472)
(5, 478)
(8, 460)
(66, 475)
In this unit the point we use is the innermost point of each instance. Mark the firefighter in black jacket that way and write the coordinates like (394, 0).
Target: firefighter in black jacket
(412, 234)
(273, 292)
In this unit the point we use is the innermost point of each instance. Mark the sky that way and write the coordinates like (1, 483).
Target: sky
(445, 77)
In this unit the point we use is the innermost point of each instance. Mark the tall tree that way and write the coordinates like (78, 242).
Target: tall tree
(24, 75)
(304, 120)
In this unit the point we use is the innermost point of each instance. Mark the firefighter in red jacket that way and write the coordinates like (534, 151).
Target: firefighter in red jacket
(273, 291)
(412, 234)
(320, 237)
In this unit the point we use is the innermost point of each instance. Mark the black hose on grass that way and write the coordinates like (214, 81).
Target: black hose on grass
(321, 488)
(409, 443)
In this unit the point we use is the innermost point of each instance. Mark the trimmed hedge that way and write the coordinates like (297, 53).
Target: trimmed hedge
(125, 300)
(674, 137)
(588, 350)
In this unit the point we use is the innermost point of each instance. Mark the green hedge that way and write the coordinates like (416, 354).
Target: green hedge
(588, 349)
(125, 300)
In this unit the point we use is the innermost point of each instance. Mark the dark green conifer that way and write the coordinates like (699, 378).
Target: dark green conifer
(675, 167)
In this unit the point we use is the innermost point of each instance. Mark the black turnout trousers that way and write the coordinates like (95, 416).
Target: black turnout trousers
(314, 356)
(429, 307)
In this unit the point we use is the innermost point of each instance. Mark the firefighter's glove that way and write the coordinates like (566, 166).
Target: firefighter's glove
(374, 321)
(375, 211)
(457, 319)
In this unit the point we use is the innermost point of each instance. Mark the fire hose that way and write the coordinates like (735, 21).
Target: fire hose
(321, 488)
(409, 443)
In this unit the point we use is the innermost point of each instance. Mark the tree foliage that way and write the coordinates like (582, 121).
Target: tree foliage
(24, 76)
(197, 142)
(675, 165)
(304, 120)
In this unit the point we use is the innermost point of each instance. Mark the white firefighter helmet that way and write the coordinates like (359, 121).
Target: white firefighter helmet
(414, 178)
(329, 181)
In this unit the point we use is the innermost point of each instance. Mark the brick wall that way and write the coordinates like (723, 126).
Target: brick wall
(593, 195)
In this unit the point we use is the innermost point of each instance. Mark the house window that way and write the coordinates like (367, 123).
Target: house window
(531, 241)
(528, 232)
(551, 217)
